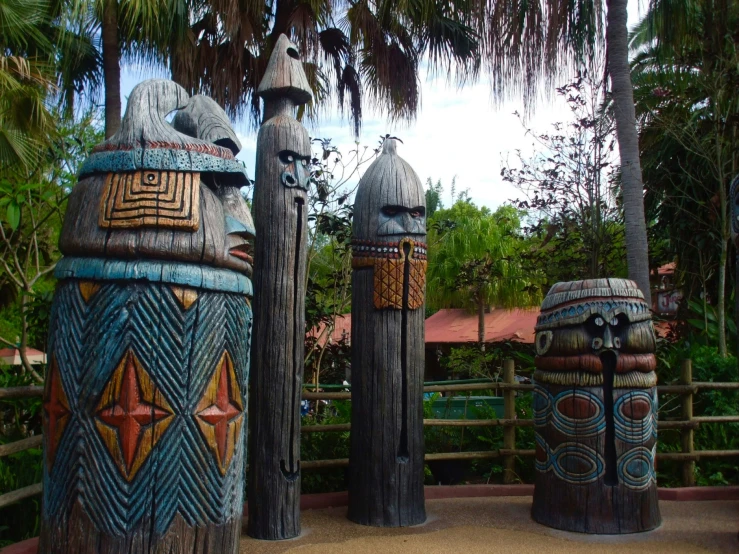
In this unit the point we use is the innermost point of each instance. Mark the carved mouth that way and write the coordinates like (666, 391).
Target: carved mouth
(242, 252)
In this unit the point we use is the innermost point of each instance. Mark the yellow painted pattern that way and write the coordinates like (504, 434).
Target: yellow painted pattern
(151, 198)
(88, 289)
(185, 296)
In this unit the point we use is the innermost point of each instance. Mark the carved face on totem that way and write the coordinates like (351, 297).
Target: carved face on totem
(390, 229)
(164, 192)
(283, 145)
(584, 322)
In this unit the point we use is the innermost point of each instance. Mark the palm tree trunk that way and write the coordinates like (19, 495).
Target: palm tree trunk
(637, 255)
(111, 67)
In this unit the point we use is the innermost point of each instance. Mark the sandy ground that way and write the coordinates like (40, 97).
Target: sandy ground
(503, 524)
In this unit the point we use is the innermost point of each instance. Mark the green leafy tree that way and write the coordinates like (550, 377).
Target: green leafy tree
(32, 206)
(686, 77)
(575, 226)
(433, 196)
(334, 177)
(474, 261)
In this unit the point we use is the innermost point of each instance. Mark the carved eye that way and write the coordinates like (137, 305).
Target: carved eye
(390, 211)
(304, 162)
(614, 322)
(599, 321)
(543, 342)
(151, 177)
(287, 157)
(415, 213)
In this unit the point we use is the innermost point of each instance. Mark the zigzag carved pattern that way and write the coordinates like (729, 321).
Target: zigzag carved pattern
(180, 350)
(68, 320)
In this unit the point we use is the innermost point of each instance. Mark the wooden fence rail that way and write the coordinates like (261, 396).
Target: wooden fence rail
(687, 389)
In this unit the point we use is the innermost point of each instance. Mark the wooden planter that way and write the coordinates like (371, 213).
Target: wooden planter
(595, 409)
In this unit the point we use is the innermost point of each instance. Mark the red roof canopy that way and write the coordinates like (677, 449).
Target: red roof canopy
(342, 326)
(455, 326)
(460, 326)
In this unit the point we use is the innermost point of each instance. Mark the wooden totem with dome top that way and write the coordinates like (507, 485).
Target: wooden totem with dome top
(144, 405)
(595, 409)
(388, 297)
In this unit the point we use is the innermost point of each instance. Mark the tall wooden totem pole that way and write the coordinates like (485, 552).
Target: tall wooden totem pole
(144, 406)
(595, 409)
(388, 295)
(280, 203)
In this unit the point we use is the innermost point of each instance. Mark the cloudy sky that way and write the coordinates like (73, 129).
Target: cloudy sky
(458, 132)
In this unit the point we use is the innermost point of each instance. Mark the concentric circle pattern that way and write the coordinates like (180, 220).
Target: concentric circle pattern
(634, 417)
(578, 413)
(542, 405)
(636, 467)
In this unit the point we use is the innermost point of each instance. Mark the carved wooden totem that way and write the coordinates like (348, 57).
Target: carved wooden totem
(595, 409)
(144, 407)
(388, 295)
(280, 204)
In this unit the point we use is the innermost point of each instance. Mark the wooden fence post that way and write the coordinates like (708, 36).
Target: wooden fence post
(509, 413)
(686, 377)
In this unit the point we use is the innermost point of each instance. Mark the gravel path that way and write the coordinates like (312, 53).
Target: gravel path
(503, 524)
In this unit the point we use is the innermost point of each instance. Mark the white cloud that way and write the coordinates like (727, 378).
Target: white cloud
(457, 132)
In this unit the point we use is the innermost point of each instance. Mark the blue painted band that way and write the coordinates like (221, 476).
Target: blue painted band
(175, 273)
(162, 159)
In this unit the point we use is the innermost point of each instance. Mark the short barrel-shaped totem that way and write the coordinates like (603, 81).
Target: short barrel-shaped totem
(281, 207)
(145, 399)
(388, 295)
(595, 409)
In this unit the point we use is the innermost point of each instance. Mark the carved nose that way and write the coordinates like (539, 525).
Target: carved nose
(407, 222)
(607, 337)
(236, 227)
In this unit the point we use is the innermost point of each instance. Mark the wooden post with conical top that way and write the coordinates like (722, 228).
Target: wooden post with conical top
(388, 294)
(280, 206)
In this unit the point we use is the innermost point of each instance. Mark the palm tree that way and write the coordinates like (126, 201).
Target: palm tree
(26, 80)
(632, 188)
(128, 30)
(352, 49)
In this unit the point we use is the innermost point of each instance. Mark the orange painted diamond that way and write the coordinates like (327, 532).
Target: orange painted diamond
(132, 415)
(56, 412)
(220, 412)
